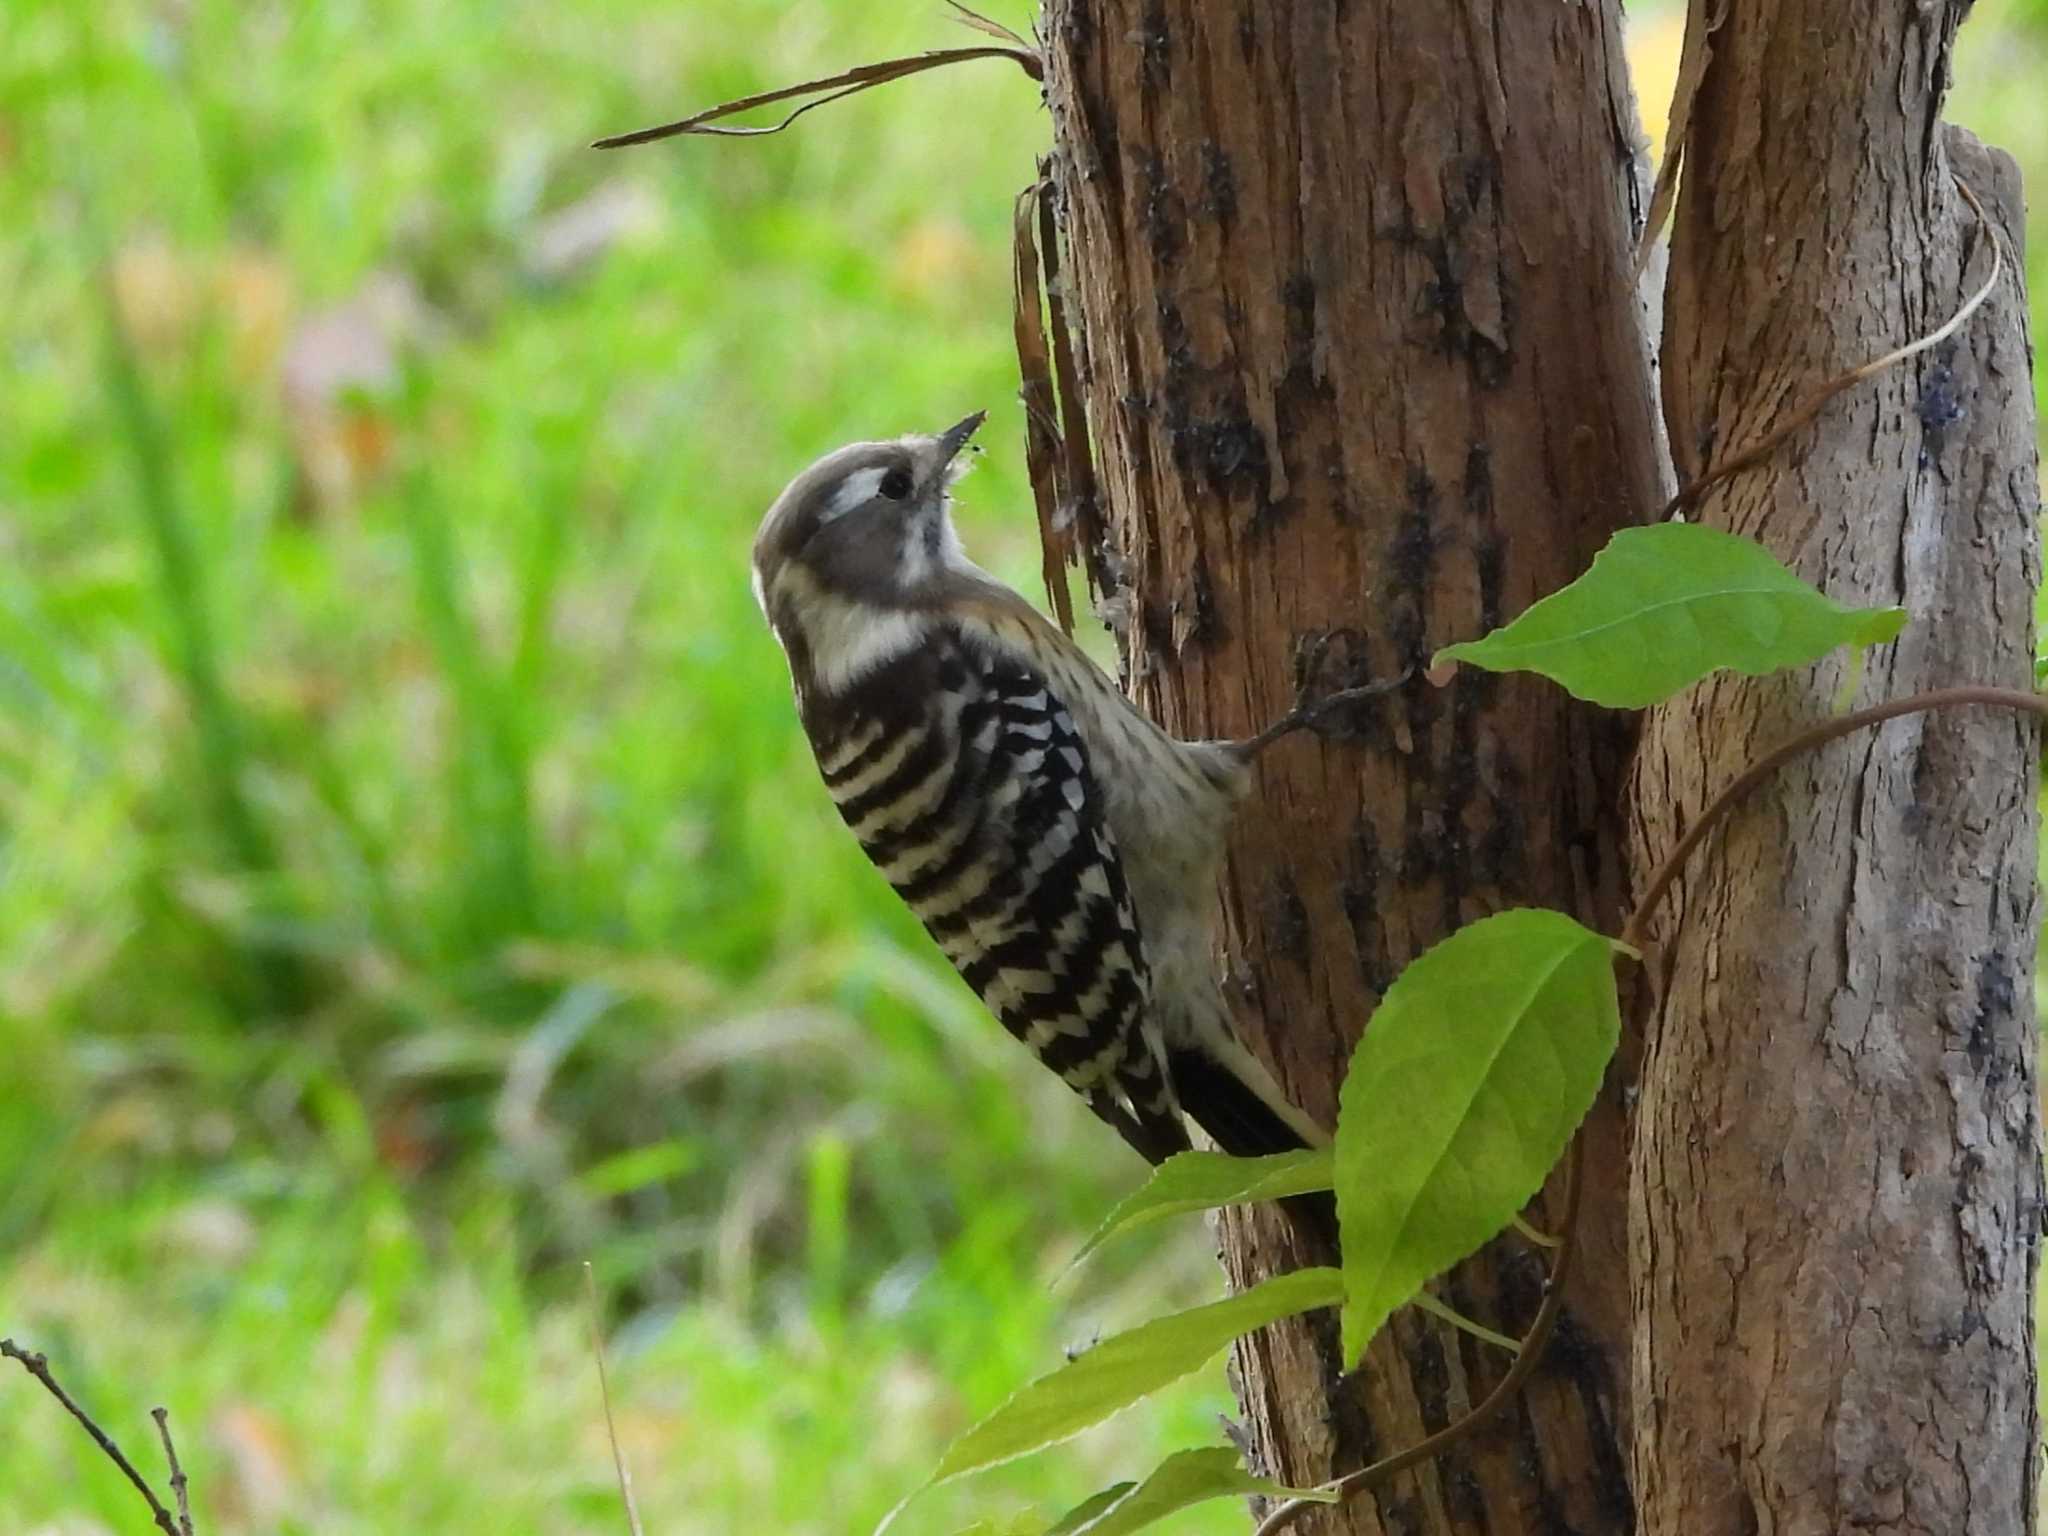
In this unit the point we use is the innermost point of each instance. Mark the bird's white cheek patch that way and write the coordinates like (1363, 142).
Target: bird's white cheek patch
(848, 640)
(856, 490)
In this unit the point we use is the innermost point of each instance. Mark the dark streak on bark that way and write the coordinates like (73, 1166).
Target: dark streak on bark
(1359, 896)
(1345, 1417)
(1408, 560)
(1165, 213)
(1155, 47)
(1428, 1372)
(1287, 920)
(1219, 185)
(1489, 549)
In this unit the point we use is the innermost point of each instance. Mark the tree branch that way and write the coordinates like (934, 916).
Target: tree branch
(1806, 741)
(38, 1366)
(179, 1486)
(862, 77)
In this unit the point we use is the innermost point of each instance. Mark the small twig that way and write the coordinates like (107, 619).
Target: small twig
(1802, 415)
(604, 1391)
(862, 77)
(178, 1484)
(1806, 741)
(981, 23)
(1352, 1484)
(1312, 714)
(38, 1366)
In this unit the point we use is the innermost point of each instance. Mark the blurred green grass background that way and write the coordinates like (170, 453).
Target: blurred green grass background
(412, 885)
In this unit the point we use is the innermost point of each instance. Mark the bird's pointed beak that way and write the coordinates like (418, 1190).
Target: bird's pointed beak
(955, 437)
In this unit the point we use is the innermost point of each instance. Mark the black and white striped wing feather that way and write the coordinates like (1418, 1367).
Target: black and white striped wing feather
(965, 781)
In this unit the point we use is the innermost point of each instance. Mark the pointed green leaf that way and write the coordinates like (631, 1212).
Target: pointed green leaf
(1121, 1370)
(1474, 1071)
(1665, 605)
(1200, 1181)
(1082, 1513)
(1184, 1479)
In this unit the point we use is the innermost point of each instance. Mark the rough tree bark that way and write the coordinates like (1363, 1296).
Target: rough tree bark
(1363, 356)
(1837, 1196)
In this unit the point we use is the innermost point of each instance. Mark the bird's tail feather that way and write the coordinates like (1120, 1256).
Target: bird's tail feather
(1153, 1134)
(1244, 1125)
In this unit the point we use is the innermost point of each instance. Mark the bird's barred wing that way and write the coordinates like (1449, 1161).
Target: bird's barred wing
(969, 787)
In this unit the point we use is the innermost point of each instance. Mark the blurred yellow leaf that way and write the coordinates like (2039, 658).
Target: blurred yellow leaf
(155, 295)
(262, 1483)
(254, 292)
(130, 1121)
(935, 255)
(1655, 41)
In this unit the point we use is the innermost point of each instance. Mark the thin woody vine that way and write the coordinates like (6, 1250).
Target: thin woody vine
(1496, 1039)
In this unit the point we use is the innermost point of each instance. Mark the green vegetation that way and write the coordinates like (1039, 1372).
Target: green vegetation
(412, 885)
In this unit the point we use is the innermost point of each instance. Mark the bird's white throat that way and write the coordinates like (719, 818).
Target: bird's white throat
(847, 639)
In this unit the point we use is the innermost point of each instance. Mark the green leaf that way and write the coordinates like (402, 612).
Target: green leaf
(1082, 1513)
(1185, 1478)
(1474, 1071)
(635, 1169)
(1199, 1181)
(1664, 606)
(1121, 1370)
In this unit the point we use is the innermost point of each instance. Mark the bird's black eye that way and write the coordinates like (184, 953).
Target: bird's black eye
(895, 484)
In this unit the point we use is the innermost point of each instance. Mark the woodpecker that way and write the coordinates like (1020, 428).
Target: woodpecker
(1058, 845)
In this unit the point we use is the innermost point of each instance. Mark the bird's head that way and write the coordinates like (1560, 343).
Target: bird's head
(861, 538)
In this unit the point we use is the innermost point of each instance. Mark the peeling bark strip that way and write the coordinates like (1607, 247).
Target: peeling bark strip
(1837, 1176)
(1360, 348)
(1042, 446)
(1057, 449)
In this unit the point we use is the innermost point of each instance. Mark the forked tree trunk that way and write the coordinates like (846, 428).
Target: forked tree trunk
(1362, 355)
(1838, 1178)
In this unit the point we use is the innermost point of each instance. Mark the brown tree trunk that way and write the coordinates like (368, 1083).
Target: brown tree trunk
(1837, 1175)
(1362, 355)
